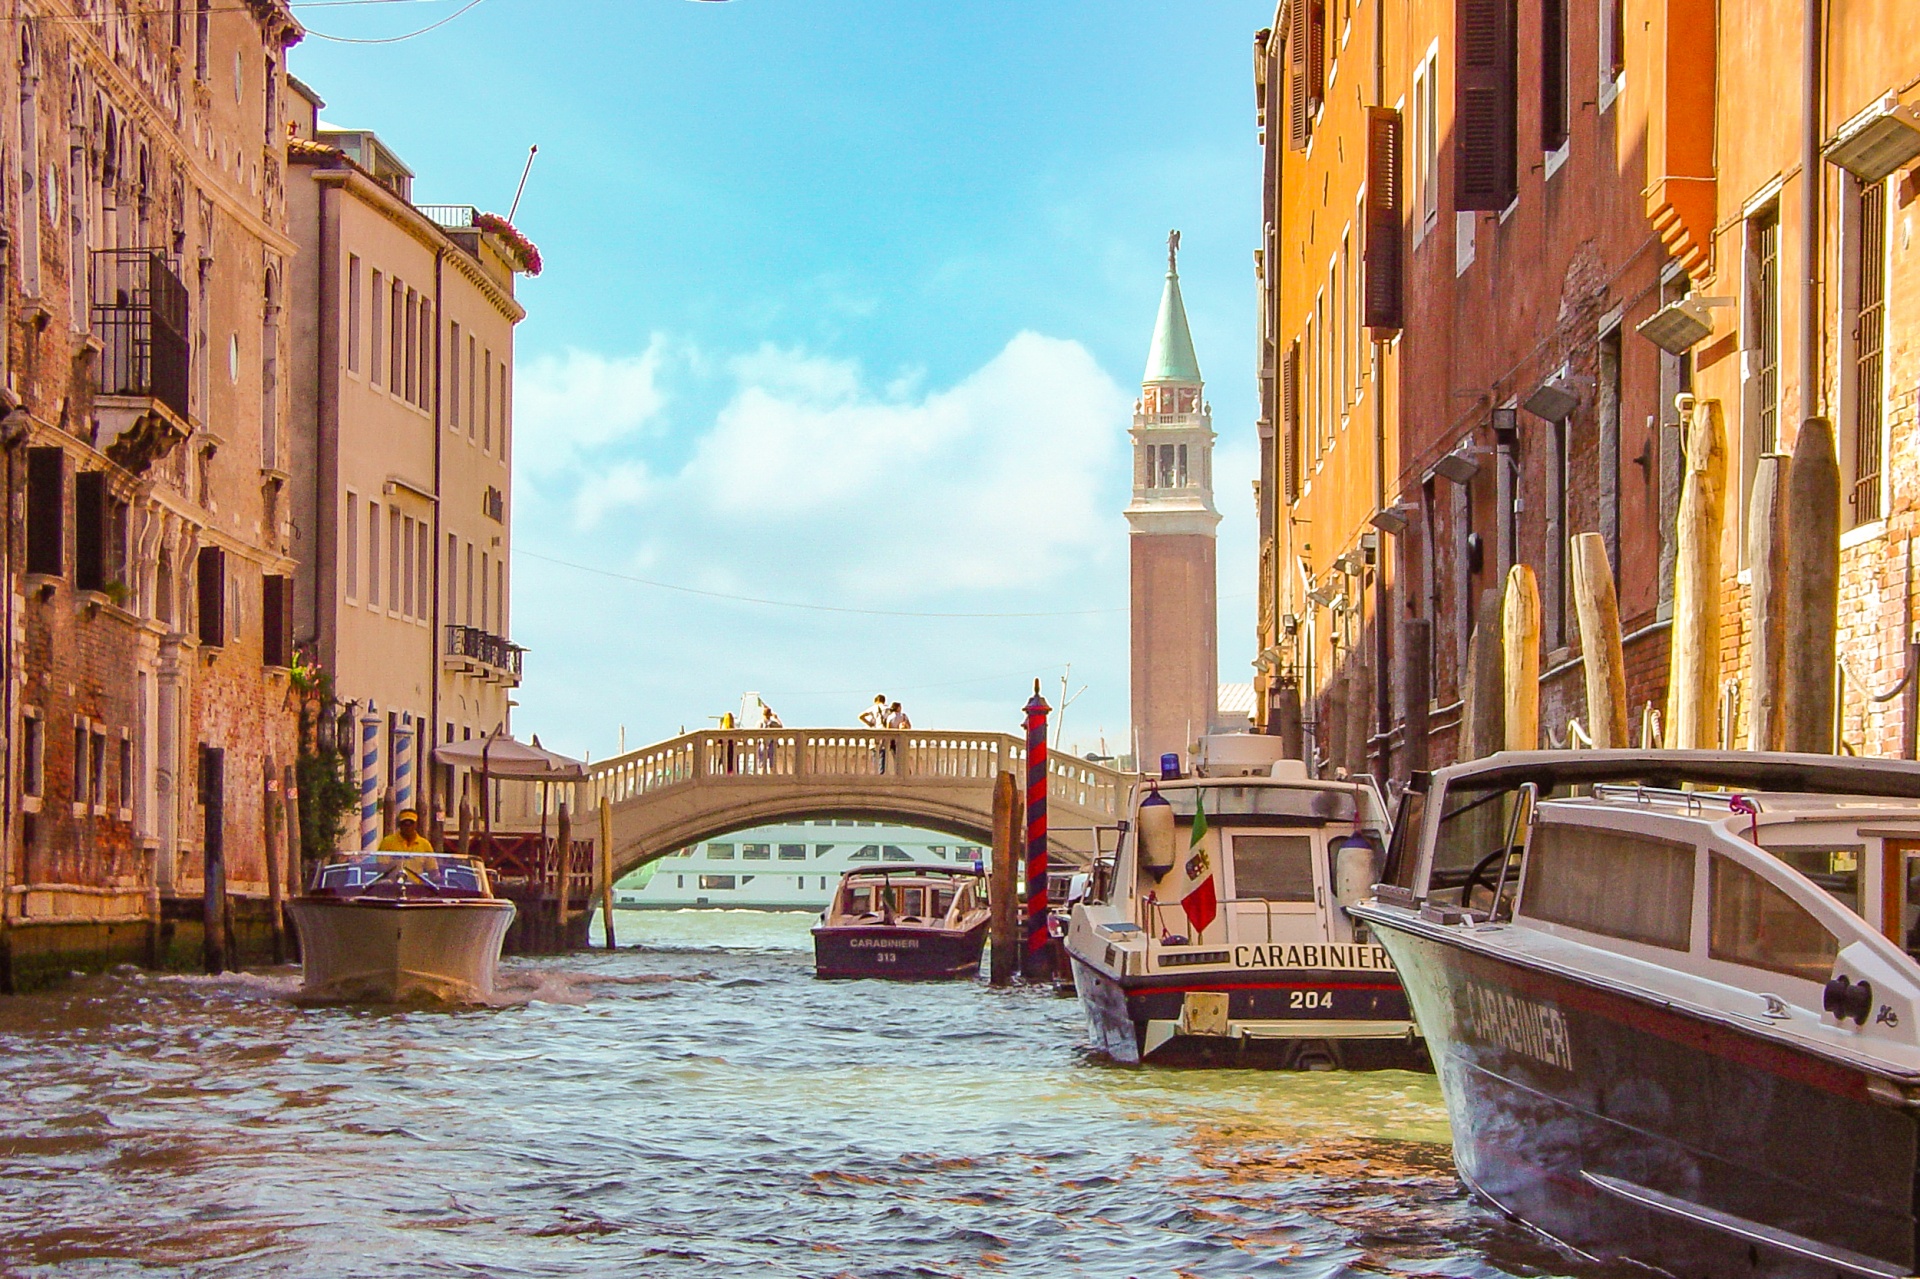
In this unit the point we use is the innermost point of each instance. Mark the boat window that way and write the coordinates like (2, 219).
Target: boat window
(716, 881)
(1611, 882)
(1756, 923)
(1329, 804)
(720, 852)
(793, 852)
(1275, 868)
(821, 850)
(893, 854)
(942, 902)
(1834, 867)
(937, 850)
(756, 852)
(871, 853)
(911, 901)
(1406, 834)
(458, 877)
(1472, 828)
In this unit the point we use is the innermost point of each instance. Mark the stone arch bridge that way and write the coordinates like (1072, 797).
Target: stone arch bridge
(702, 785)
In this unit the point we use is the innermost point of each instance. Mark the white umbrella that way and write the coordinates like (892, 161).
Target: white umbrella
(499, 755)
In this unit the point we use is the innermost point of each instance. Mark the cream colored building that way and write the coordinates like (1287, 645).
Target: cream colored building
(402, 434)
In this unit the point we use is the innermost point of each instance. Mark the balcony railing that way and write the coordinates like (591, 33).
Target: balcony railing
(488, 649)
(452, 216)
(140, 317)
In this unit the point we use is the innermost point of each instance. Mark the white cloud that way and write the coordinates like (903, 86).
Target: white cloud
(582, 401)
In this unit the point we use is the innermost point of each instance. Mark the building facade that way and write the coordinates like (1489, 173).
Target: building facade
(1171, 524)
(402, 372)
(148, 561)
(1545, 229)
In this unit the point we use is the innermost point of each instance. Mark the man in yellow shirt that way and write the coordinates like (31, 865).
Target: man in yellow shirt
(406, 839)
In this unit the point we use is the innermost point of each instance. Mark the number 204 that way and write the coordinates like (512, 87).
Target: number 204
(1310, 999)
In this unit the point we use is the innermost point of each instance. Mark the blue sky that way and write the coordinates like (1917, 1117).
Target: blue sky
(845, 304)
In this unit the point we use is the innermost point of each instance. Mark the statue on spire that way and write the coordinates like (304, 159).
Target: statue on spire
(1173, 248)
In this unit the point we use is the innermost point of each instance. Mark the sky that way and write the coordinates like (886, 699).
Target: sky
(824, 389)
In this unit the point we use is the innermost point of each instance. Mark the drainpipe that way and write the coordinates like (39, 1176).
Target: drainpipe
(429, 776)
(1813, 178)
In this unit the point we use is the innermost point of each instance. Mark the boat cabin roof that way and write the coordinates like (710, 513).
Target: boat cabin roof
(1232, 799)
(896, 872)
(1757, 770)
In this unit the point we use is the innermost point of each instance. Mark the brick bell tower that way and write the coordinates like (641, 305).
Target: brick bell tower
(1171, 523)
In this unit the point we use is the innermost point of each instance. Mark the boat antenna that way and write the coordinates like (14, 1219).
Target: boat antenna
(521, 189)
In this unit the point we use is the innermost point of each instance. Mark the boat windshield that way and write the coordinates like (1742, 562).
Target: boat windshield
(1319, 804)
(402, 874)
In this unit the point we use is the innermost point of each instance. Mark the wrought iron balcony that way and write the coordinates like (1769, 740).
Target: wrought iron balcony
(472, 646)
(140, 317)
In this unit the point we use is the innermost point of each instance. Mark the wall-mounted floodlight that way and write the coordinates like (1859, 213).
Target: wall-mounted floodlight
(1882, 138)
(1328, 596)
(1289, 623)
(1350, 563)
(1678, 327)
(1553, 400)
(1458, 466)
(1393, 519)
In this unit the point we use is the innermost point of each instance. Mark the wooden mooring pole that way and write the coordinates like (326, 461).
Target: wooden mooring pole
(276, 897)
(1810, 629)
(1767, 560)
(563, 863)
(1483, 715)
(606, 868)
(1598, 608)
(1416, 648)
(296, 847)
(1003, 889)
(1693, 681)
(1520, 658)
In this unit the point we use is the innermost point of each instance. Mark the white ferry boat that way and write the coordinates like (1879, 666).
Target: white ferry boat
(793, 866)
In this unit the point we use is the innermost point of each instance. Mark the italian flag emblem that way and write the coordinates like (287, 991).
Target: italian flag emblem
(1201, 903)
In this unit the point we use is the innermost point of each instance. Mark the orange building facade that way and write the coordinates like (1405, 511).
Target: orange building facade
(1474, 212)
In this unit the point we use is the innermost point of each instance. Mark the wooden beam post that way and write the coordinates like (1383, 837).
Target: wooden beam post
(1483, 712)
(1287, 708)
(1812, 611)
(1416, 693)
(1598, 609)
(1520, 658)
(606, 868)
(276, 896)
(1767, 558)
(296, 847)
(1003, 889)
(1334, 742)
(563, 874)
(1693, 692)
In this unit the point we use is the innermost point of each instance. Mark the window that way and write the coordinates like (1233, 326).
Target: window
(1611, 423)
(410, 349)
(97, 769)
(716, 881)
(1426, 144)
(1763, 328)
(46, 514)
(1756, 923)
(449, 572)
(471, 365)
(80, 773)
(1290, 413)
(1275, 868)
(1610, 882)
(1559, 599)
(202, 39)
(1613, 49)
(373, 554)
(408, 579)
(397, 340)
(350, 556)
(423, 593)
(720, 852)
(377, 341)
(353, 313)
(126, 774)
(1485, 121)
(756, 852)
(868, 853)
(793, 852)
(1835, 868)
(212, 594)
(29, 223)
(90, 531)
(484, 567)
(1382, 289)
(500, 596)
(1553, 74)
(821, 850)
(467, 617)
(425, 383)
(453, 378)
(486, 403)
(399, 549)
(1867, 283)
(276, 620)
(270, 373)
(506, 410)
(33, 755)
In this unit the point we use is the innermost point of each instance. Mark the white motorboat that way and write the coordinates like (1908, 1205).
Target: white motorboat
(1673, 1001)
(383, 927)
(1217, 931)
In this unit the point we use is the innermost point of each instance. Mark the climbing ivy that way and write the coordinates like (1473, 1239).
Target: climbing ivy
(326, 794)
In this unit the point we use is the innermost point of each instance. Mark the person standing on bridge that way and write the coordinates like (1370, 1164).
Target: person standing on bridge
(875, 716)
(768, 722)
(897, 719)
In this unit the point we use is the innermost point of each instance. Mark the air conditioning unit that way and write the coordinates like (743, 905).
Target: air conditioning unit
(1877, 141)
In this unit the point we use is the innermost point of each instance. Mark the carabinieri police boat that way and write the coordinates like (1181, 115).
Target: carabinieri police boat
(1675, 1009)
(1217, 932)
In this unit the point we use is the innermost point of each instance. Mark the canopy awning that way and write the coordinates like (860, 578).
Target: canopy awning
(502, 756)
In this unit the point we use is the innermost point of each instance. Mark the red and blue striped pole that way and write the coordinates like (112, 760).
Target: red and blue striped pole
(1038, 963)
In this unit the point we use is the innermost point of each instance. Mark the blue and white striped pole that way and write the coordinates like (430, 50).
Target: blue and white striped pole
(403, 736)
(369, 782)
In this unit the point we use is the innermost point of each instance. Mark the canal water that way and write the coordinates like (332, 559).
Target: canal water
(696, 1104)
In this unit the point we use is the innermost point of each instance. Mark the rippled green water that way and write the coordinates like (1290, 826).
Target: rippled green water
(696, 1104)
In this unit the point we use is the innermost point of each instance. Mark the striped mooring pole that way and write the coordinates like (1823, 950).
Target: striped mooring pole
(369, 781)
(403, 738)
(1037, 965)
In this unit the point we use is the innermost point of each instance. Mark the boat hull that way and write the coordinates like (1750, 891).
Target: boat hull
(1281, 1018)
(1639, 1131)
(897, 953)
(380, 950)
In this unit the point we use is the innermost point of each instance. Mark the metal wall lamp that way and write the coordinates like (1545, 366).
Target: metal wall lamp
(1392, 520)
(1678, 327)
(1553, 400)
(1459, 466)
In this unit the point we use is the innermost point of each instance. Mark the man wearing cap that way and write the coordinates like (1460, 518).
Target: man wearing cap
(406, 839)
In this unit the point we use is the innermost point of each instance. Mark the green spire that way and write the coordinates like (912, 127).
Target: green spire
(1171, 357)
